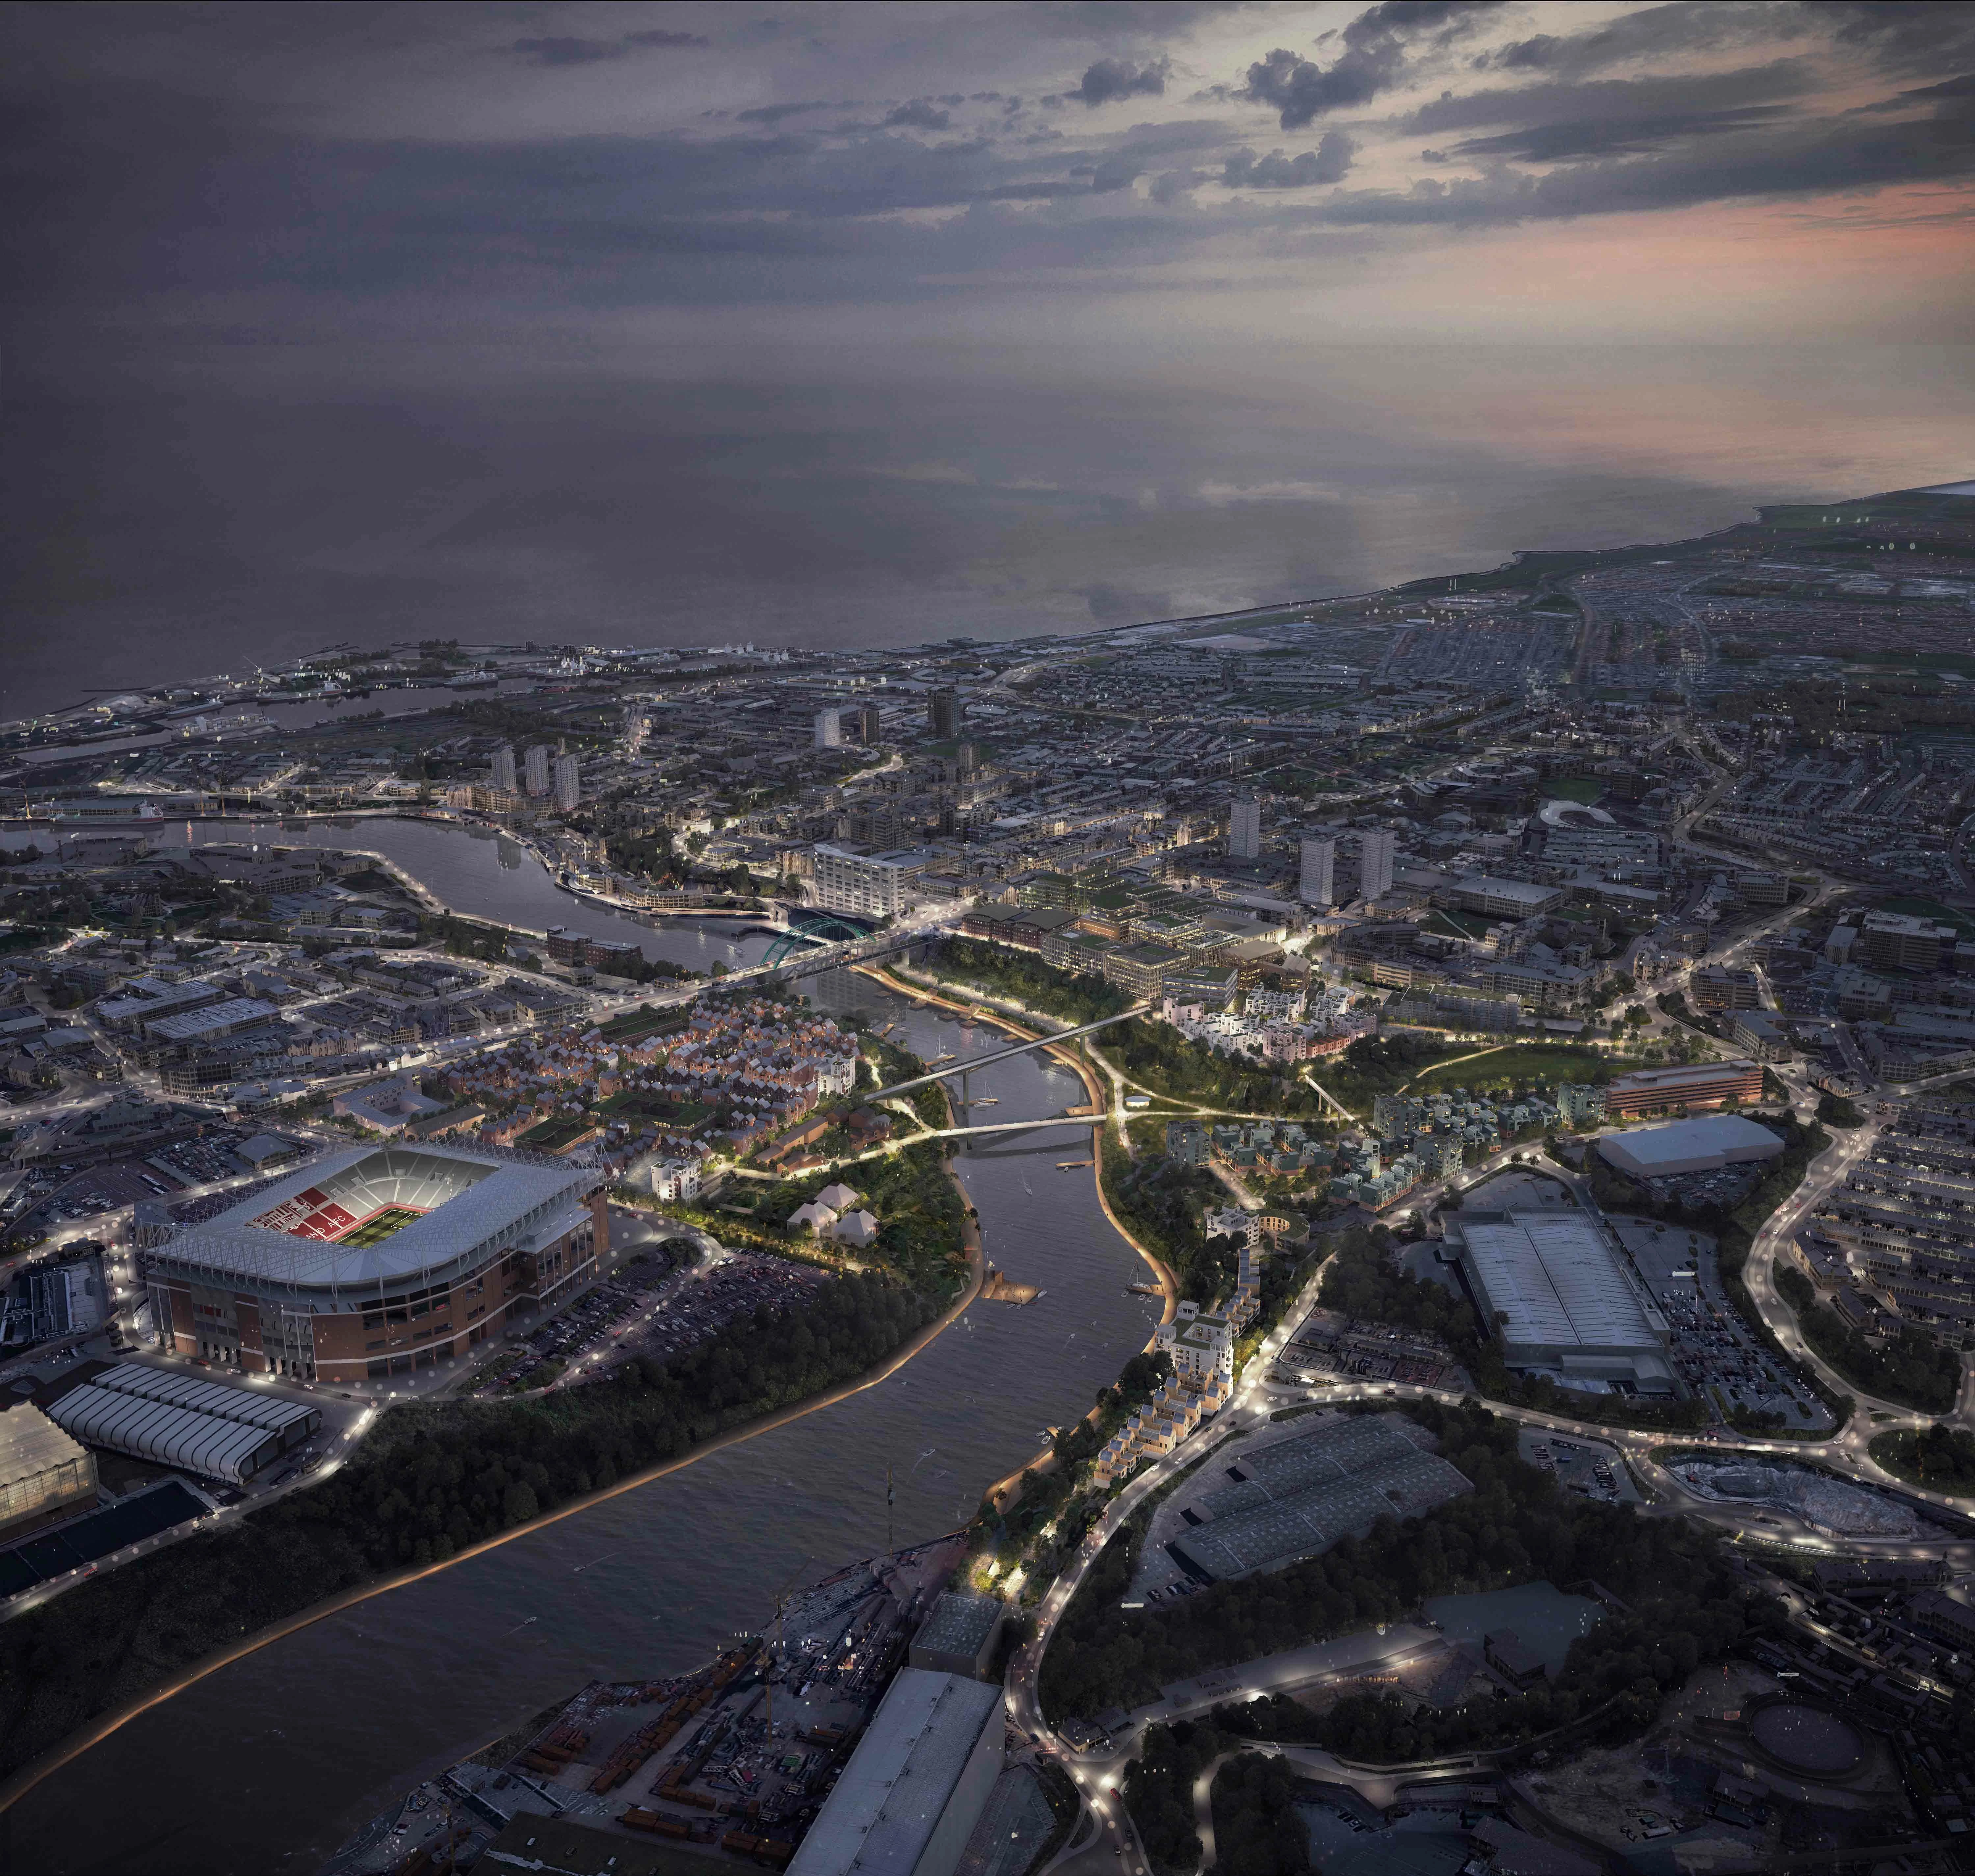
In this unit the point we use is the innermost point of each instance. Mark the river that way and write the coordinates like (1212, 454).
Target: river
(481, 873)
(269, 1764)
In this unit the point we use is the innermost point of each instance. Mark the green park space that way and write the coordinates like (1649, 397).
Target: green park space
(1584, 789)
(556, 1134)
(1520, 1063)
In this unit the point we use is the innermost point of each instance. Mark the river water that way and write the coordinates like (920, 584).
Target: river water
(481, 873)
(270, 1763)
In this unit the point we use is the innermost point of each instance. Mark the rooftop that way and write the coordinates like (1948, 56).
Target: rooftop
(886, 1806)
(298, 1231)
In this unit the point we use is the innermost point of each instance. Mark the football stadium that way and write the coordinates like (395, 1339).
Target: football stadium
(377, 1261)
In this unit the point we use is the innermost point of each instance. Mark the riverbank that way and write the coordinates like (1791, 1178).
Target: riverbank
(74, 1611)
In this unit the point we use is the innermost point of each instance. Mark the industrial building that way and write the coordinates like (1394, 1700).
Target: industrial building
(912, 1792)
(1704, 1145)
(958, 1637)
(377, 1261)
(1661, 1090)
(45, 1474)
(1556, 1294)
(207, 1428)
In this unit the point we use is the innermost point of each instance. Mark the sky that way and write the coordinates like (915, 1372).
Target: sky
(832, 323)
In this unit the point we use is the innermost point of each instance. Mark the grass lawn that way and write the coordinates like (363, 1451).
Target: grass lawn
(1517, 1061)
(553, 1135)
(635, 1025)
(1581, 788)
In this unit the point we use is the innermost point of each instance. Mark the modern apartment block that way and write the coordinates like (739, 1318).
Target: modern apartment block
(867, 885)
(568, 784)
(1375, 864)
(500, 771)
(1316, 870)
(536, 769)
(1661, 1090)
(1244, 830)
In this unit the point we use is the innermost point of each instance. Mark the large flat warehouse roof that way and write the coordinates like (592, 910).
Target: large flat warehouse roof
(1700, 1146)
(1556, 1280)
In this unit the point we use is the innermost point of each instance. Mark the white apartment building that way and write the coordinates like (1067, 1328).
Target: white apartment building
(829, 728)
(536, 769)
(500, 771)
(1319, 864)
(568, 782)
(867, 885)
(1376, 863)
(1202, 1348)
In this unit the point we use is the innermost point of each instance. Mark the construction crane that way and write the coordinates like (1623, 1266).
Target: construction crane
(775, 1654)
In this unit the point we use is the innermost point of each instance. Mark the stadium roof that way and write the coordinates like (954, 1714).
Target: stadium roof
(524, 1205)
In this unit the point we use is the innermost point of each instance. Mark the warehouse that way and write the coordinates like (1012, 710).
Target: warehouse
(292, 1421)
(1681, 1146)
(915, 1787)
(203, 1444)
(1558, 1296)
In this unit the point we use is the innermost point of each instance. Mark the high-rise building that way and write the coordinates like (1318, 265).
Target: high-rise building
(966, 762)
(1375, 874)
(537, 766)
(568, 782)
(870, 727)
(1244, 830)
(1319, 864)
(500, 772)
(944, 714)
(829, 727)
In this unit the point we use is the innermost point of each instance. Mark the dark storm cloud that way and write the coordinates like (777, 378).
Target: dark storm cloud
(567, 50)
(1108, 80)
(1617, 100)
(1797, 160)
(1377, 46)
(920, 113)
(1328, 163)
(1663, 32)
(1604, 136)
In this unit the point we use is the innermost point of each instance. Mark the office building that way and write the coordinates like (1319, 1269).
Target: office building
(568, 784)
(966, 762)
(536, 769)
(1503, 898)
(1555, 1295)
(1375, 863)
(912, 1792)
(500, 771)
(1319, 869)
(868, 728)
(1893, 941)
(829, 728)
(1661, 1090)
(1244, 830)
(867, 885)
(1715, 987)
(944, 714)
